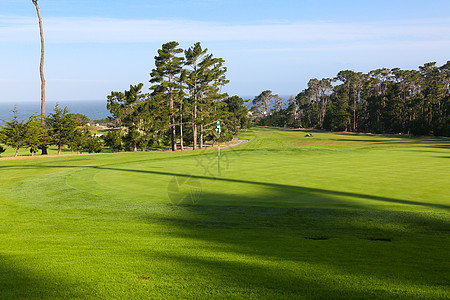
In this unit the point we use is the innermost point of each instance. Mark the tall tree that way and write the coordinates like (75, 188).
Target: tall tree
(41, 67)
(354, 81)
(167, 75)
(263, 102)
(194, 61)
(214, 80)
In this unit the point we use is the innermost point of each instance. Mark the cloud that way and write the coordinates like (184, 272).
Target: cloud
(107, 30)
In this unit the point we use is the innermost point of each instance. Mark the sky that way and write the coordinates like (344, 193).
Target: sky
(93, 47)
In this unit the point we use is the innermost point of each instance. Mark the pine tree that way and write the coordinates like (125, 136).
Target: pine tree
(14, 132)
(167, 76)
(127, 109)
(35, 134)
(195, 84)
(61, 127)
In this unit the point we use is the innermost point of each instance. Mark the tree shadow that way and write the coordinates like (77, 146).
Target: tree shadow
(257, 246)
(291, 193)
(309, 252)
(25, 283)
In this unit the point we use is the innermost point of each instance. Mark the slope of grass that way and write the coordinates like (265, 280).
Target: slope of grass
(288, 217)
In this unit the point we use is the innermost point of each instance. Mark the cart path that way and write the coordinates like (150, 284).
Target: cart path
(241, 142)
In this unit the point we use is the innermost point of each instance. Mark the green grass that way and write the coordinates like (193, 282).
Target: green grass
(332, 216)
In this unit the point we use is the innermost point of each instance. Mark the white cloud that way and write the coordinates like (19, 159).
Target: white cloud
(106, 30)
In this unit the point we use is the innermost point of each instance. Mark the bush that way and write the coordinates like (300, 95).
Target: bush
(113, 139)
(93, 145)
(2, 150)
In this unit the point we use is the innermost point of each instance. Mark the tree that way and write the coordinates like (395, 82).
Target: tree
(213, 80)
(79, 119)
(77, 141)
(13, 133)
(41, 67)
(354, 83)
(194, 57)
(36, 132)
(167, 75)
(234, 114)
(337, 115)
(93, 144)
(113, 139)
(61, 127)
(262, 102)
(127, 111)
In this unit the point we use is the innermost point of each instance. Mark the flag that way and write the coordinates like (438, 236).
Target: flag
(218, 126)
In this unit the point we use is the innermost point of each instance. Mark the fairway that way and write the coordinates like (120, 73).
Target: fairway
(286, 217)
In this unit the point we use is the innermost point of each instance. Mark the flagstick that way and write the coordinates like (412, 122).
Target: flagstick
(218, 153)
(218, 157)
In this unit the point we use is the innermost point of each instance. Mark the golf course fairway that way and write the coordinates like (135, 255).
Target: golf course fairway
(332, 216)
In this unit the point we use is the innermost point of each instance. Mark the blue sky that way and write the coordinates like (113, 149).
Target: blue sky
(95, 46)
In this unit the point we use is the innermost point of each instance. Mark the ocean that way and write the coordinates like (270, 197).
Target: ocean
(93, 109)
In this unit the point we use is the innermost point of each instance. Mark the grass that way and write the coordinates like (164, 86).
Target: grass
(332, 216)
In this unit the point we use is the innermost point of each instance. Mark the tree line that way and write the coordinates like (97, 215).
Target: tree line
(183, 105)
(181, 109)
(381, 101)
(60, 128)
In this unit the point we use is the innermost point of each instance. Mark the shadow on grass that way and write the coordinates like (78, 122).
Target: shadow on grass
(292, 192)
(271, 252)
(24, 283)
(308, 252)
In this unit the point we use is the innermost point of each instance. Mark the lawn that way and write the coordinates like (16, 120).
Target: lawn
(287, 217)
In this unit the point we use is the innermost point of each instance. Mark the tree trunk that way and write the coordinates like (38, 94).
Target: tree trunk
(17, 152)
(181, 133)
(174, 137)
(194, 125)
(200, 144)
(354, 114)
(172, 118)
(59, 149)
(41, 69)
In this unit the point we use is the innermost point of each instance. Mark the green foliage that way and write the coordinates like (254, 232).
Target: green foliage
(234, 115)
(381, 101)
(78, 139)
(186, 99)
(113, 139)
(13, 133)
(2, 150)
(61, 127)
(129, 110)
(93, 144)
(36, 134)
(79, 119)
